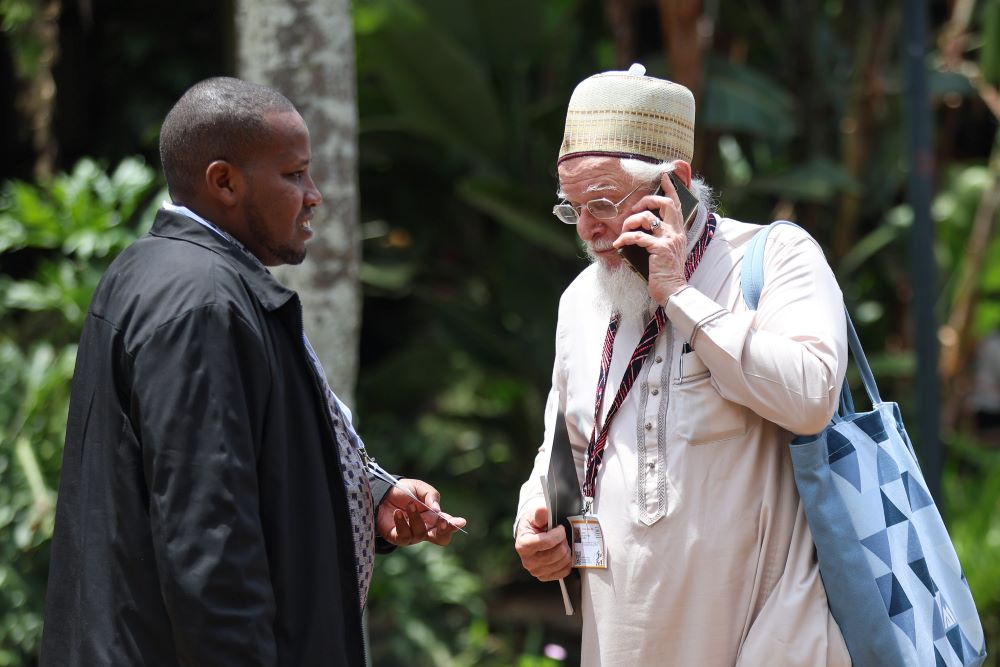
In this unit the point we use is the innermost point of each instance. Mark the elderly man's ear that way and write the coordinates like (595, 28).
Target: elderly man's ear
(225, 183)
(683, 171)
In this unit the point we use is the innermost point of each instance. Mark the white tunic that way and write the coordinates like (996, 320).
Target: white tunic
(711, 562)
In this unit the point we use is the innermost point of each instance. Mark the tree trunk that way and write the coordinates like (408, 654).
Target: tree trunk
(34, 38)
(681, 35)
(619, 17)
(306, 51)
(858, 125)
(679, 27)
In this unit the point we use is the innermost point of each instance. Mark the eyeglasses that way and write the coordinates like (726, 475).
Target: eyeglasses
(602, 209)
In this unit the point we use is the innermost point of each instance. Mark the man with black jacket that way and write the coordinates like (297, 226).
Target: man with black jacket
(215, 506)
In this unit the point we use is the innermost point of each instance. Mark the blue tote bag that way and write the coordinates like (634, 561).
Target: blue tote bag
(893, 580)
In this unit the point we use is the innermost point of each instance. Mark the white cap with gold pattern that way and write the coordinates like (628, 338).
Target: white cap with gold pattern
(629, 114)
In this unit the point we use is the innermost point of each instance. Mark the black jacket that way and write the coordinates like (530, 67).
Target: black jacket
(201, 517)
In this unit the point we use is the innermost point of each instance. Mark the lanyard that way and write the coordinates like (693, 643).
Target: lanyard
(599, 438)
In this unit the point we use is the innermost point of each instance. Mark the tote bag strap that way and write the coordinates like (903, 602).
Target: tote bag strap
(752, 282)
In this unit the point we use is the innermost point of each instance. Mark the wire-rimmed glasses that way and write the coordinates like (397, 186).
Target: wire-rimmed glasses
(602, 209)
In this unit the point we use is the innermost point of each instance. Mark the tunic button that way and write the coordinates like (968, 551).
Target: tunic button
(659, 358)
(652, 464)
(649, 426)
(655, 392)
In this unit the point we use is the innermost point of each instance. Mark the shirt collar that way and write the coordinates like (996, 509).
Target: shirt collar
(170, 223)
(185, 211)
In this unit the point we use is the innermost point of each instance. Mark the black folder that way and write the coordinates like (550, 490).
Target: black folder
(564, 496)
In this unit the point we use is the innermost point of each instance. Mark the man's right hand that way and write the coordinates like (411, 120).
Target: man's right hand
(544, 553)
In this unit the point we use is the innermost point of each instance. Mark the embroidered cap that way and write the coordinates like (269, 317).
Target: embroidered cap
(629, 114)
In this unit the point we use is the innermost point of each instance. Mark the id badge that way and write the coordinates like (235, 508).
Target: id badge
(588, 542)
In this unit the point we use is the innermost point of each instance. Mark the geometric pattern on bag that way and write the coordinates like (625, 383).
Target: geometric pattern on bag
(893, 580)
(939, 621)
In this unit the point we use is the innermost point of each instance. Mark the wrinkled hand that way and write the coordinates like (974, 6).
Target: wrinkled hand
(666, 244)
(403, 521)
(544, 553)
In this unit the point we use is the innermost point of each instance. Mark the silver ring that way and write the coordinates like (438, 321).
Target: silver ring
(655, 224)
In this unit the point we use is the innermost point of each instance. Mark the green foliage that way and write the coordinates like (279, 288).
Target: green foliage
(740, 99)
(819, 180)
(15, 14)
(66, 231)
(421, 573)
(989, 56)
(16, 17)
(461, 108)
(33, 399)
(57, 238)
(954, 210)
(461, 113)
(971, 486)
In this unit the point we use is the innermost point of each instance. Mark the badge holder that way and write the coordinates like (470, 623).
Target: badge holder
(587, 540)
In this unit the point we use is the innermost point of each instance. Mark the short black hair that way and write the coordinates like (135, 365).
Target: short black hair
(221, 118)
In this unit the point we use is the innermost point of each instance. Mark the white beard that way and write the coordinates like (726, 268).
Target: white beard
(621, 290)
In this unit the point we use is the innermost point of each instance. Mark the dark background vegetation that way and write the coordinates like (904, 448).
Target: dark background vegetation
(800, 115)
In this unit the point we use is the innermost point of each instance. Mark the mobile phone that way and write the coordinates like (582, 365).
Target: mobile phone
(636, 257)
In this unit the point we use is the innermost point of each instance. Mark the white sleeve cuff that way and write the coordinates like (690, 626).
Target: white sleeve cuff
(689, 310)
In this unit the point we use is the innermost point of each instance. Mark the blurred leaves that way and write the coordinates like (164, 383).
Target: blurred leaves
(741, 99)
(82, 213)
(509, 205)
(461, 109)
(972, 491)
(820, 181)
(989, 55)
(422, 66)
(461, 112)
(56, 238)
(33, 400)
(16, 18)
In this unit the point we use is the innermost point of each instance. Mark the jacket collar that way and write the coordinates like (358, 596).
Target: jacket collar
(271, 294)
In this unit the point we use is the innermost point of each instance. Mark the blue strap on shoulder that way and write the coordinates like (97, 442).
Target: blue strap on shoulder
(752, 282)
(752, 269)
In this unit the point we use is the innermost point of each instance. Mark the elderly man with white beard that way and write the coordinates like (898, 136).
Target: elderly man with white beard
(703, 555)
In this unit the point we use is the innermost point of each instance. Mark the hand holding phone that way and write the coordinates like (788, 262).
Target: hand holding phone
(636, 257)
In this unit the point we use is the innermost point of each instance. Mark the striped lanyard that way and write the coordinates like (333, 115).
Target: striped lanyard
(599, 439)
